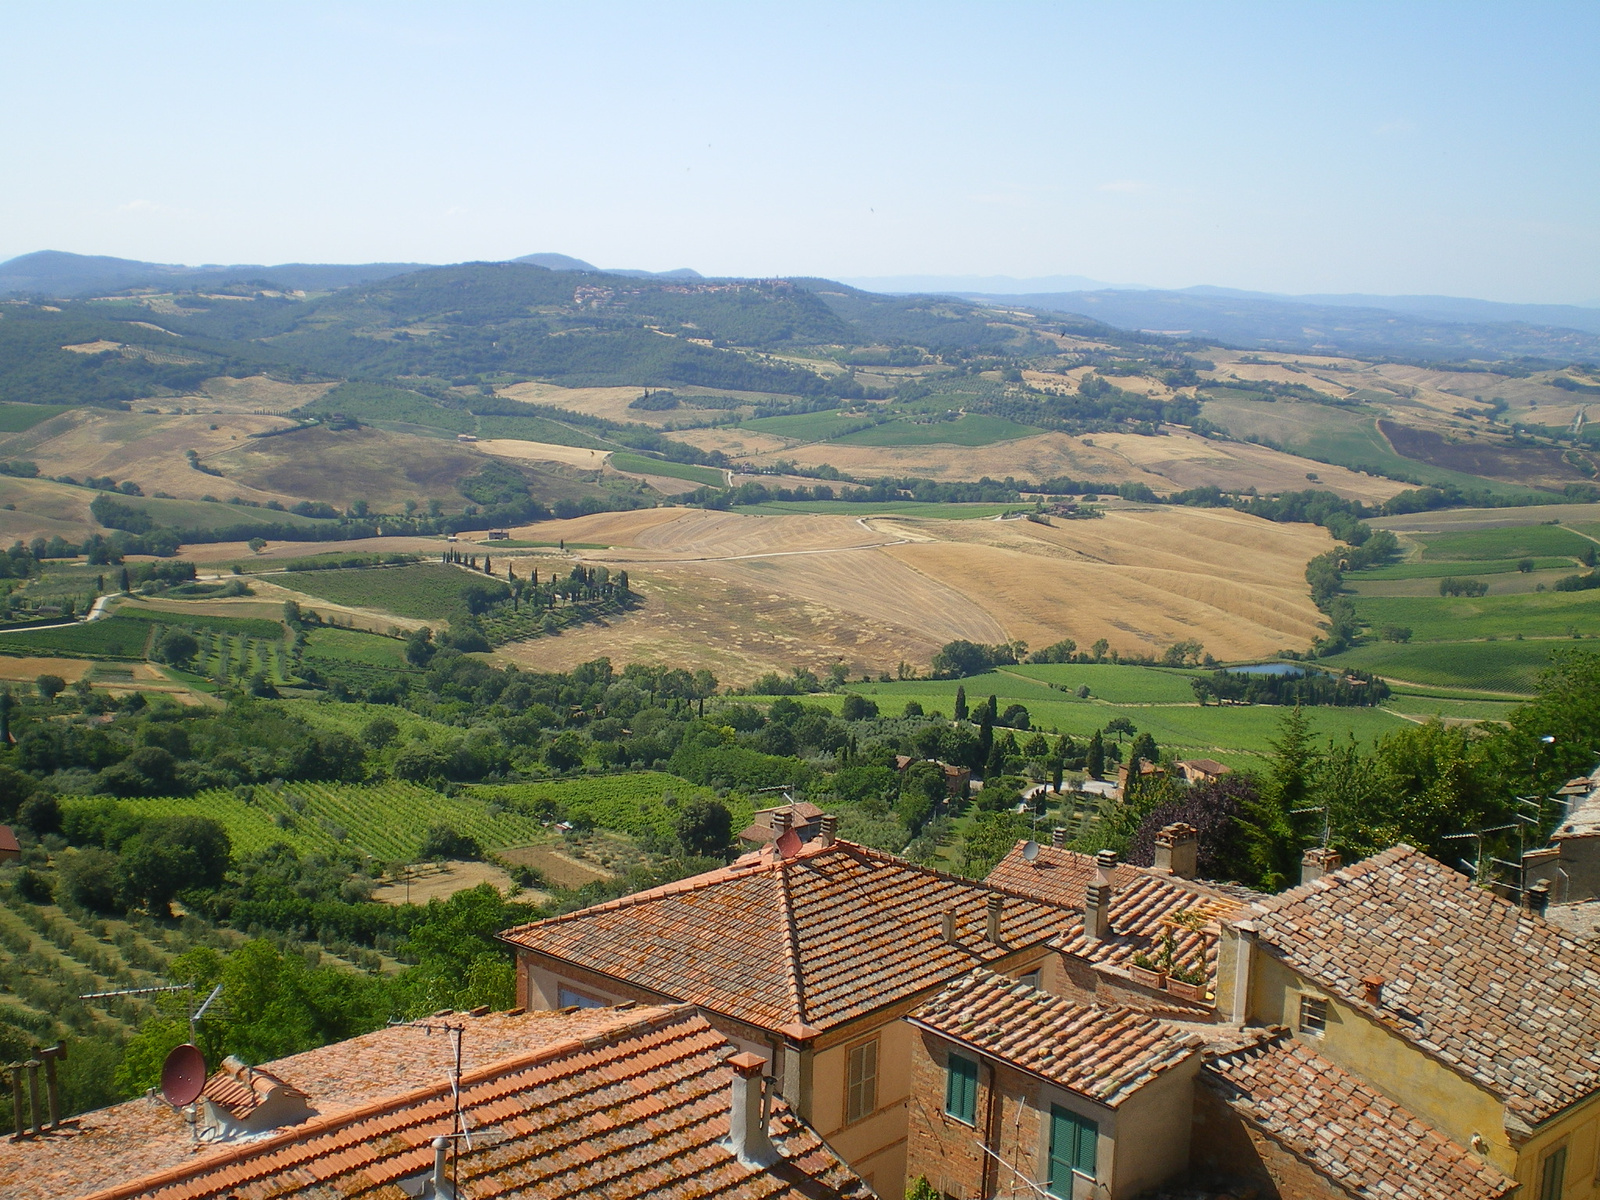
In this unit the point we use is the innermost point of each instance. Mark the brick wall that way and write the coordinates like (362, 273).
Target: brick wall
(946, 1151)
(1225, 1149)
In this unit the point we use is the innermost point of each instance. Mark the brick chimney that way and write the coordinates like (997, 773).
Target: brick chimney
(747, 1124)
(1537, 897)
(780, 822)
(1317, 862)
(1372, 989)
(828, 831)
(947, 921)
(1097, 899)
(996, 908)
(1058, 838)
(1178, 850)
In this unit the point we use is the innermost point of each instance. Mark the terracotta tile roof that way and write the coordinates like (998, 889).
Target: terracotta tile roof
(1502, 996)
(143, 1136)
(1143, 906)
(240, 1090)
(815, 939)
(638, 1109)
(1106, 1054)
(1345, 1130)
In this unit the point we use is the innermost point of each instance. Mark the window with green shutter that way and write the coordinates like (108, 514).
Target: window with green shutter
(1073, 1141)
(961, 1089)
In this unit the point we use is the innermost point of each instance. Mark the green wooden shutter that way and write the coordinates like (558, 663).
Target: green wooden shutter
(1553, 1178)
(961, 1089)
(1073, 1142)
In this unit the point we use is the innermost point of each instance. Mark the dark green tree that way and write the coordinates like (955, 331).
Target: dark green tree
(704, 828)
(1094, 759)
(961, 703)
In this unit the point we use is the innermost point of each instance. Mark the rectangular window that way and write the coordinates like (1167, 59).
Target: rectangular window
(1553, 1174)
(1313, 1015)
(1031, 979)
(961, 1089)
(1073, 1142)
(567, 998)
(861, 1081)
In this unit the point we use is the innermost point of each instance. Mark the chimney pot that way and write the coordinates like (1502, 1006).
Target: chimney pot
(829, 829)
(1097, 912)
(1317, 862)
(1372, 985)
(441, 1167)
(996, 907)
(1537, 897)
(1178, 850)
(747, 1123)
(948, 920)
(1058, 838)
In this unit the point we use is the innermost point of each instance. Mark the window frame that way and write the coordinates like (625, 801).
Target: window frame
(1312, 1018)
(1085, 1134)
(1031, 978)
(1555, 1157)
(577, 999)
(967, 1094)
(860, 1092)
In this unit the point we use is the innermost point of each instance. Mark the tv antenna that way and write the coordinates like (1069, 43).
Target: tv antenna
(454, 1030)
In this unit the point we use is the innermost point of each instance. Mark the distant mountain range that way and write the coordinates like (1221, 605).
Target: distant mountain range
(1423, 327)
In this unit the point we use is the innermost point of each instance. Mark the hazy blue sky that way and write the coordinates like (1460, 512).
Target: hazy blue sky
(1385, 147)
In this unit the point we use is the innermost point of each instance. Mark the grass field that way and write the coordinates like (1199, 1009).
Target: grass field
(203, 514)
(1509, 667)
(969, 430)
(812, 427)
(539, 429)
(1462, 618)
(424, 591)
(641, 464)
(1480, 545)
(250, 627)
(1237, 735)
(114, 637)
(15, 418)
(347, 645)
(1438, 570)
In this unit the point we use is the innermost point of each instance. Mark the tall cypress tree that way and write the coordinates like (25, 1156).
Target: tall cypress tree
(1094, 761)
(961, 703)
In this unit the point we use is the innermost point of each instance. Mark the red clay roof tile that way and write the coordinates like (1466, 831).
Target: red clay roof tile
(1502, 996)
(1345, 1130)
(1106, 1054)
(813, 940)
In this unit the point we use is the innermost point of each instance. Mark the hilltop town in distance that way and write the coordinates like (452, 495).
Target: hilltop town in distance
(534, 729)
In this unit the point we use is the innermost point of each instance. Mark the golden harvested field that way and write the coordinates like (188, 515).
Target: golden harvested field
(211, 553)
(440, 881)
(146, 448)
(258, 393)
(732, 440)
(744, 594)
(43, 509)
(572, 456)
(608, 402)
(1173, 462)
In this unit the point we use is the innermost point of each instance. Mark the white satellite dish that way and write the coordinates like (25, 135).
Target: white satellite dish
(1030, 851)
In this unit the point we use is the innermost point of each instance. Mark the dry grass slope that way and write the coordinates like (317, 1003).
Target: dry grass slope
(746, 594)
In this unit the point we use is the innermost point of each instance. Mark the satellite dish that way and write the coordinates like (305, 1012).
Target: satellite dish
(183, 1075)
(1030, 851)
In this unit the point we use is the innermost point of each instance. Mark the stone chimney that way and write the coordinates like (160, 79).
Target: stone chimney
(1178, 850)
(828, 829)
(1097, 912)
(947, 921)
(747, 1123)
(996, 908)
(1097, 899)
(780, 823)
(1058, 838)
(1536, 898)
(1317, 862)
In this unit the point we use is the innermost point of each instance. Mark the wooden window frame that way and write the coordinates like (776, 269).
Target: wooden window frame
(852, 1111)
(1555, 1157)
(968, 1097)
(1072, 1162)
(1312, 1017)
